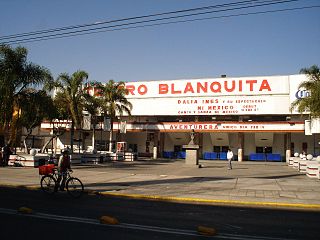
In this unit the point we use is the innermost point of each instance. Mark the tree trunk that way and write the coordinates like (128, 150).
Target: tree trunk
(110, 136)
(25, 141)
(72, 135)
(25, 144)
(47, 143)
(93, 138)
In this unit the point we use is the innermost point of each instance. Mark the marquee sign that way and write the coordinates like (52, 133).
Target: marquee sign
(206, 126)
(209, 87)
(225, 105)
(220, 127)
(269, 95)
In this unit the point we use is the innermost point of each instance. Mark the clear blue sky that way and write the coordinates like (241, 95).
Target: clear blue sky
(266, 44)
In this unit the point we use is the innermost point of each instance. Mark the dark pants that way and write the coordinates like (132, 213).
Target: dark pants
(229, 163)
(5, 159)
(63, 176)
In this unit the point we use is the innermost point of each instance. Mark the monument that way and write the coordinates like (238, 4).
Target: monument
(191, 151)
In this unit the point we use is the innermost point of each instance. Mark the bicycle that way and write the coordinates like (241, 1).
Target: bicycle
(49, 183)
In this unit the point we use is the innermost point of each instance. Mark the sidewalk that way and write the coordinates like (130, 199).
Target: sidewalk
(248, 183)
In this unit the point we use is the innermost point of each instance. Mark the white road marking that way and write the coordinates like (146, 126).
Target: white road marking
(136, 226)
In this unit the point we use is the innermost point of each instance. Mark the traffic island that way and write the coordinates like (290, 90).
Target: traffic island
(108, 220)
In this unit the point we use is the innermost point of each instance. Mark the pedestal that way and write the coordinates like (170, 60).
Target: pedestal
(191, 154)
(155, 152)
(240, 156)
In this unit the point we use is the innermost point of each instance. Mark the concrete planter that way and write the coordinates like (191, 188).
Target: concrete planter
(75, 158)
(303, 166)
(27, 160)
(90, 158)
(290, 163)
(121, 156)
(296, 161)
(313, 169)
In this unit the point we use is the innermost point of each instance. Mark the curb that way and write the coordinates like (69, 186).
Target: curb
(296, 206)
(315, 207)
(21, 186)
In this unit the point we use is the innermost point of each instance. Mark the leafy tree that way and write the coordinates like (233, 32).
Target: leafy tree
(310, 103)
(34, 107)
(16, 75)
(114, 102)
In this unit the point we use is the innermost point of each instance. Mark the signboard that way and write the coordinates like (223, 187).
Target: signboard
(295, 91)
(123, 126)
(225, 105)
(106, 124)
(222, 96)
(210, 126)
(218, 127)
(86, 122)
(209, 87)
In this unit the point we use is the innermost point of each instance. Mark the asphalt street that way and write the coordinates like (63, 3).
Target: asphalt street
(144, 219)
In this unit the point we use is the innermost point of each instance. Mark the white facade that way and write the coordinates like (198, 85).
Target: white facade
(249, 113)
(222, 96)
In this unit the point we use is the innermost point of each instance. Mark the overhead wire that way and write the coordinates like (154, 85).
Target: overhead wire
(131, 18)
(126, 26)
(172, 22)
(264, 3)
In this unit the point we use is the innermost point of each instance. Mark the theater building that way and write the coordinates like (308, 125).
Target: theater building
(250, 115)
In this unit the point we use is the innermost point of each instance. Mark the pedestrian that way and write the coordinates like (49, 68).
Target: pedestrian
(229, 157)
(1, 157)
(6, 154)
(303, 155)
(64, 165)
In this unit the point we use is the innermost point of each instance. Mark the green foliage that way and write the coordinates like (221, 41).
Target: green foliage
(310, 103)
(70, 95)
(34, 106)
(114, 101)
(17, 75)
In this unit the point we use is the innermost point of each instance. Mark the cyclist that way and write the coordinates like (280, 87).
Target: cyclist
(63, 167)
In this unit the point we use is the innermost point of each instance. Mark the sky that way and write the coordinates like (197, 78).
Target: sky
(255, 45)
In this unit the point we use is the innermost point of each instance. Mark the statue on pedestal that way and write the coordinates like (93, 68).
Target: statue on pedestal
(192, 151)
(192, 138)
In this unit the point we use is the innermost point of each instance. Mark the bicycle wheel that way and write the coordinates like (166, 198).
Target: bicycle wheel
(48, 184)
(74, 187)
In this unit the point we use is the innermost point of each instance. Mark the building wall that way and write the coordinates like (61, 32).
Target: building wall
(249, 144)
(278, 144)
(137, 138)
(299, 138)
(172, 139)
(207, 145)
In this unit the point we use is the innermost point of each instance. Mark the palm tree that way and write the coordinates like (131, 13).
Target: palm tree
(310, 103)
(70, 95)
(16, 75)
(115, 103)
(93, 106)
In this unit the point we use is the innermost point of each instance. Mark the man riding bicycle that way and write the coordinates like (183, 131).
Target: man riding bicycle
(64, 165)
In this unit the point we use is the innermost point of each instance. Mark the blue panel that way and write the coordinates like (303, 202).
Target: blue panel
(181, 154)
(274, 157)
(168, 154)
(223, 156)
(214, 155)
(206, 156)
(257, 157)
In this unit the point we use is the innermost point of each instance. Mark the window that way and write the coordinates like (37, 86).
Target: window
(259, 149)
(216, 148)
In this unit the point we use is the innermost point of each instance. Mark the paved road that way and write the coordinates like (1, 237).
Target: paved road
(143, 219)
(249, 183)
